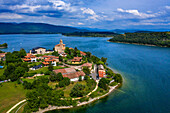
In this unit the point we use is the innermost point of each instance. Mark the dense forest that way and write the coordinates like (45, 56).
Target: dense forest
(155, 38)
(91, 34)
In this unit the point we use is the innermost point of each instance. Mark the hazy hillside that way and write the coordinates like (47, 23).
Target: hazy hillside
(10, 28)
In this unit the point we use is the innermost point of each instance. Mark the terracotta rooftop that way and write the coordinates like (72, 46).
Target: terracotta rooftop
(45, 63)
(30, 56)
(74, 75)
(82, 53)
(87, 65)
(27, 59)
(2, 54)
(49, 59)
(66, 70)
(76, 59)
(101, 73)
(50, 56)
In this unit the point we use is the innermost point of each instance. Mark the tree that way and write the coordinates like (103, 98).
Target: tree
(61, 58)
(67, 50)
(61, 83)
(86, 77)
(86, 70)
(9, 70)
(118, 78)
(22, 53)
(55, 53)
(50, 67)
(80, 78)
(59, 77)
(66, 81)
(104, 60)
(77, 90)
(103, 83)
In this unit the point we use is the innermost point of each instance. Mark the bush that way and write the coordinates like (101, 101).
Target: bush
(113, 84)
(47, 73)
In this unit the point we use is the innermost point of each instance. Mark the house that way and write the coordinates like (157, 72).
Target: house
(63, 54)
(89, 65)
(71, 73)
(36, 67)
(101, 71)
(76, 60)
(30, 58)
(60, 47)
(38, 50)
(82, 53)
(51, 57)
(2, 56)
(47, 61)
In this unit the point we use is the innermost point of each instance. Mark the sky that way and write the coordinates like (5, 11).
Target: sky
(102, 14)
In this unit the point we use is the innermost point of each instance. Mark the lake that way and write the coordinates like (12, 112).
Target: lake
(145, 69)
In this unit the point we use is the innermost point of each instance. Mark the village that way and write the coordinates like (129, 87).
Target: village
(74, 66)
(68, 76)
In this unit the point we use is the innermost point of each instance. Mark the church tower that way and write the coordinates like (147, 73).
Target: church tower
(60, 47)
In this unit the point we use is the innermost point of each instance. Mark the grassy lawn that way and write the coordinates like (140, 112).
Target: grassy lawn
(98, 92)
(28, 80)
(44, 69)
(1, 72)
(10, 94)
(52, 84)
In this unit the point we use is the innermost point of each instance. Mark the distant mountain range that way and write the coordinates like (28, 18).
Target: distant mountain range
(43, 28)
(35, 28)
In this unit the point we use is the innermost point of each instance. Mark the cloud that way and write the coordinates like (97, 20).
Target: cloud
(137, 13)
(10, 16)
(61, 5)
(79, 23)
(88, 11)
(167, 7)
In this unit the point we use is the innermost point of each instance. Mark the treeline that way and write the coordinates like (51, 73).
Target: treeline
(91, 34)
(14, 66)
(5, 45)
(154, 38)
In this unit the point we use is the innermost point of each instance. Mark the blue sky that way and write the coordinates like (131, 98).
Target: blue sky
(102, 14)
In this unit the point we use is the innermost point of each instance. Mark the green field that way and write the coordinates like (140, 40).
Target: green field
(10, 94)
(44, 69)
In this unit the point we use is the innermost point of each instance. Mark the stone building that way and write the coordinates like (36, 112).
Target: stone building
(60, 47)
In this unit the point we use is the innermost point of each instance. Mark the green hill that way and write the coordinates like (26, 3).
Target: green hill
(154, 38)
(35, 28)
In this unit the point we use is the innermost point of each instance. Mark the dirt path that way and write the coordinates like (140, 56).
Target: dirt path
(16, 105)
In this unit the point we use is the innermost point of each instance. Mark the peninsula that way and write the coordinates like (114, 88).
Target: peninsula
(54, 79)
(4, 45)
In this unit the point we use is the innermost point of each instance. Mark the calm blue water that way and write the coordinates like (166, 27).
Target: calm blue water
(146, 72)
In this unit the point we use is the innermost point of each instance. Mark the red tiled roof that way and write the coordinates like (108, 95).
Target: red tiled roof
(87, 65)
(30, 56)
(46, 56)
(49, 59)
(60, 71)
(74, 75)
(82, 53)
(101, 73)
(27, 59)
(2, 54)
(45, 63)
(70, 48)
(76, 59)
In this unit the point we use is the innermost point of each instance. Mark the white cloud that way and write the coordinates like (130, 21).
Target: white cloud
(167, 7)
(79, 23)
(61, 5)
(88, 11)
(24, 6)
(137, 13)
(10, 16)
